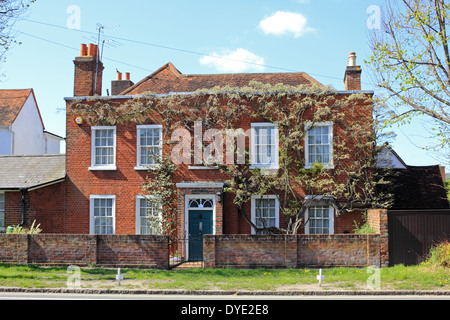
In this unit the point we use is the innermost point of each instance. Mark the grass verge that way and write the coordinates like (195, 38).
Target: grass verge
(422, 277)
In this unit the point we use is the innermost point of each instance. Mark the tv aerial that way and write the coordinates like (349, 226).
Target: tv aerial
(103, 40)
(101, 43)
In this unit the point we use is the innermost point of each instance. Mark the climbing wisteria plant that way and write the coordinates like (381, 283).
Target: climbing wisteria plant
(224, 112)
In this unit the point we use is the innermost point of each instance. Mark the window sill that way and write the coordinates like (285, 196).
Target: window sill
(262, 167)
(324, 165)
(203, 168)
(141, 168)
(100, 168)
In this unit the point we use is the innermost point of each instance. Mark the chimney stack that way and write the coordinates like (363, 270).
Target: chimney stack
(352, 79)
(118, 86)
(88, 72)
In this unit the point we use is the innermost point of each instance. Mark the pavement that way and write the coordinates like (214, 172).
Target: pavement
(231, 293)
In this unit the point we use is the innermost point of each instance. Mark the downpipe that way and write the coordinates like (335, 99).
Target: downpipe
(24, 192)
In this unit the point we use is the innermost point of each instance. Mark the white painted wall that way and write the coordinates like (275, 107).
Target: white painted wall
(26, 135)
(53, 144)
(5, 141)
(28, 131)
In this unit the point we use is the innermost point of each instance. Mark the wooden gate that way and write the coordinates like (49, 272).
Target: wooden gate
(413, 232)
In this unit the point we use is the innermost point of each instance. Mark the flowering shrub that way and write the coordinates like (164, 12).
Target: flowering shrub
(440, 254)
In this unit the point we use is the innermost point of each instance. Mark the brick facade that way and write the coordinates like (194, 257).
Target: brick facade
(126, 183)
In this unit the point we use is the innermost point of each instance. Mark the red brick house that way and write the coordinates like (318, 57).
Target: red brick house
(106, 166)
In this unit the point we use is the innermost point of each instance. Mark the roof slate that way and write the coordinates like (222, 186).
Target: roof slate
(18, 172)
(168, 79)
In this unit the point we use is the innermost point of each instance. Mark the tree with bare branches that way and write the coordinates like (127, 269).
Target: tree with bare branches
(411, 62)
(10, 11)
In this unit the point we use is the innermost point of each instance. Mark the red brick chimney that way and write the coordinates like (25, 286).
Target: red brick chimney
(88, 72)
(442, 169)
(119, 85)
(352, 77)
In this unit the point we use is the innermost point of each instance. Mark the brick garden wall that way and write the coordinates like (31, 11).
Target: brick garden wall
(111, 250)
(219, 251)
(281, 251)
(291, 251)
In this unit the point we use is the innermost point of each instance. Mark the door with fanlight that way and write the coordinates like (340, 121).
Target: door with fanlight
(200, 221)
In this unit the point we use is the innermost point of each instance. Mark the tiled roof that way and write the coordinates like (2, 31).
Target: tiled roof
(18, 172)
(419, 188)
(168, 79)
(11, 102)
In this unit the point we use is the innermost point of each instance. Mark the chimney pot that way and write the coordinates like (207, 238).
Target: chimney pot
(83, 50)
(352, 59)
(92, 50)
(127, 76)
(119, 76)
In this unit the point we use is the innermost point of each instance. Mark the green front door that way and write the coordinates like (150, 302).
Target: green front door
(200, 223)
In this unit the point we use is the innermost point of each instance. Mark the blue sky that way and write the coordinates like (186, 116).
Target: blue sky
(313, 36)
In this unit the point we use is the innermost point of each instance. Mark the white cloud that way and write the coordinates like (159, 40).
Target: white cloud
(283, 22)
(239, 60)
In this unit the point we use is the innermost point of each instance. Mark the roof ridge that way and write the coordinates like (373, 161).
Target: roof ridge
(168, 65)
(243, 73)
(303, 78)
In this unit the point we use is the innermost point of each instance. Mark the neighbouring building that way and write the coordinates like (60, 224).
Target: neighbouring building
(22, 130)
(32, 188)
(32, 168)
(413, 187)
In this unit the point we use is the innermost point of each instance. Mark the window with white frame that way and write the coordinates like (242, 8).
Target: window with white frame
(265, 212)
(264, 145)
(102, 213)
(148, 215)
(2, 211)
(319, 220)
(319, 144)
(149, 145)
(103, 148)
